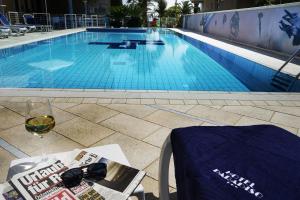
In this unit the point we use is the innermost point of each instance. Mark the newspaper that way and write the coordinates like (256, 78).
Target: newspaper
(120, 180)
(44, 183)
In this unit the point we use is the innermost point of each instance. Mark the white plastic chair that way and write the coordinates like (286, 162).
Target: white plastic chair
(164, 162)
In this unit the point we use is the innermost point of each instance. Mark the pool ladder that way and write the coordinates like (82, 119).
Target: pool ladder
(282, 81)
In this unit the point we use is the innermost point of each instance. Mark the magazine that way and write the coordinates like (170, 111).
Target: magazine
(120, 180)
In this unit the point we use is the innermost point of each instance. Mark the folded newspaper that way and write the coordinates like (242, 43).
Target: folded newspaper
(44, 182)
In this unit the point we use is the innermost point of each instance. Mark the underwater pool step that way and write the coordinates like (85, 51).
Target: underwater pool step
(282, 78)
(279, 87)
(281, 82)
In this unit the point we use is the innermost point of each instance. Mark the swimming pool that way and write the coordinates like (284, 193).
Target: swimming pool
(153, 60)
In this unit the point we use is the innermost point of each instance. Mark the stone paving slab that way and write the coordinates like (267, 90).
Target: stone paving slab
(5, 158)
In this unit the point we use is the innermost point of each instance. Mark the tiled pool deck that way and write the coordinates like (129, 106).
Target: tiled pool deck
(138, 121)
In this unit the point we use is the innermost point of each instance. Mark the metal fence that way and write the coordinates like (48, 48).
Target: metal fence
(65, 21)
(168, 22)
(44, 19)
(82, 20)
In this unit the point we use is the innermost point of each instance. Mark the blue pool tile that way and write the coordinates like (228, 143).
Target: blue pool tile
(180, 64)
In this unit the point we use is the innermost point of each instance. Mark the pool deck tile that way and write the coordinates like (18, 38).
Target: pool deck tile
(82, 131)
(9, 119)
(130, 126)
(273, 103)
(75, 100)
(92, 112)
(158, 137)
(61, 115)
(247, 103)
(246, 121)
(162, 101)
(285, 119)
(284, 109)
(118, 101)
(177, 102)
(232, 102)
(90, 100)
(19, 137)
(104, 101)
(139, 111)
(139, 154)
(5, 158)
(147, 101)
(287, 103)
(260, 103)
(152, 171)
(205, 102)
(213, 114)
(250, 111)
(179, 108)
(171, 120)
(190, 102)
(218, 102)
(133, 101)
(64, 105)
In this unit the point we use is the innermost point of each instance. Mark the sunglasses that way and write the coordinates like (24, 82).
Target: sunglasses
(94, 171)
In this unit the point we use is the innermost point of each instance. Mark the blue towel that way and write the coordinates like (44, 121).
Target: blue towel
(250, 162)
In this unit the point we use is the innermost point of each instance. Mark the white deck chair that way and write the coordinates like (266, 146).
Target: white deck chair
(164, 162)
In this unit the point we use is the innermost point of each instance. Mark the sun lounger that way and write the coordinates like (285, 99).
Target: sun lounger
(30, 20)
(19, 29)
(4, 32)
(232, 162)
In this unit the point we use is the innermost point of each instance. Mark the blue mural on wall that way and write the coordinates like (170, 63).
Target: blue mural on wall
(260, 16)
(205, 21)
(274, 27)
(290, 24)
(224, 19)
(235, 24)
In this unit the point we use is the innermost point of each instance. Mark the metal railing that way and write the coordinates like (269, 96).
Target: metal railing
(290, 59)
(168, 22)
(15, 17)
(82, 20)
(64, 21)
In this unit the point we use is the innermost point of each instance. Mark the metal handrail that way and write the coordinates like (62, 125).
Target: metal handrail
(288, 61)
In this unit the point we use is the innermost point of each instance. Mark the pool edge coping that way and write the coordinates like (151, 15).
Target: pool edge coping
(148, 94)
(253, 56)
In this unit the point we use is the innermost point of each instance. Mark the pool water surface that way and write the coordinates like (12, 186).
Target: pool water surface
(154, 60)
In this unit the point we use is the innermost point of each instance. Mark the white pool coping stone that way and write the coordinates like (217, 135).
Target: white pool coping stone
(148, 94)
(144, 94)
(268, 61)
(35, 37)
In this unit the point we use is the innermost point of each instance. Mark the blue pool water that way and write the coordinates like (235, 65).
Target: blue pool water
(156, 60)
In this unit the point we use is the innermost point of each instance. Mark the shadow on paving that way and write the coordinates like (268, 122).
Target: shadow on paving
(150, 196)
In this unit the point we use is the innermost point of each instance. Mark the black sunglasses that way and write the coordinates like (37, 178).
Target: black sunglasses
(94, 171)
